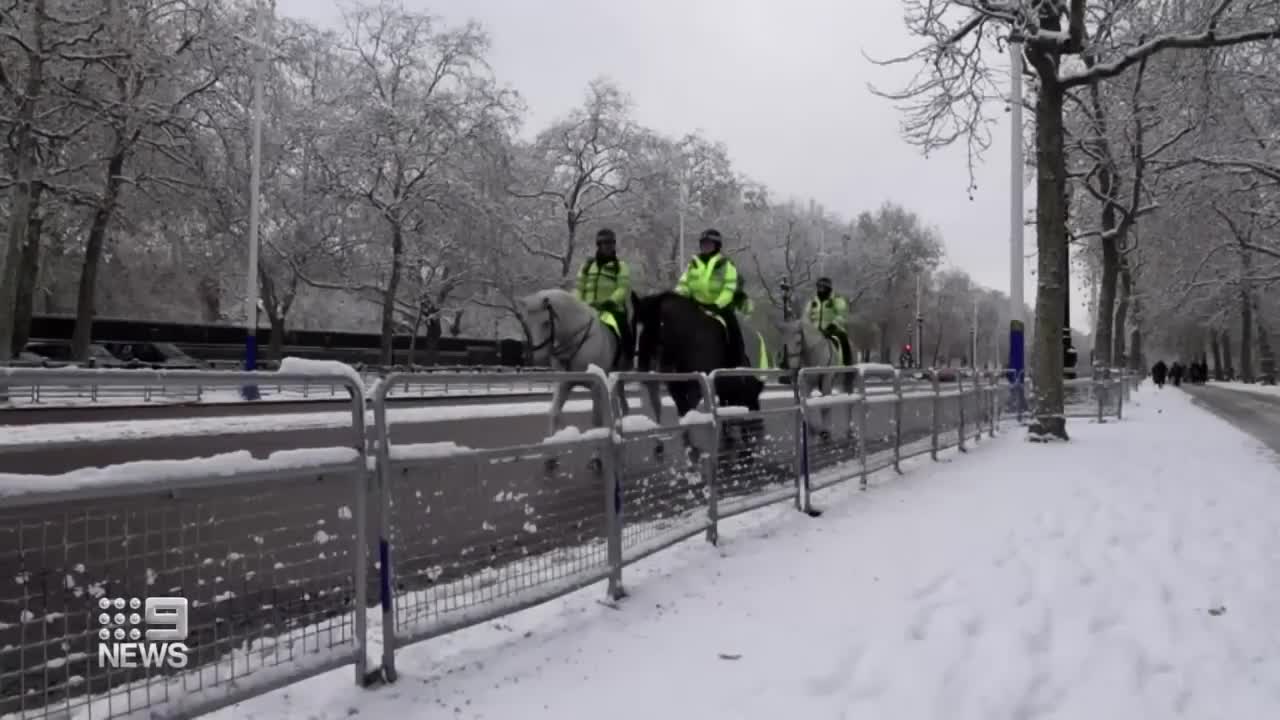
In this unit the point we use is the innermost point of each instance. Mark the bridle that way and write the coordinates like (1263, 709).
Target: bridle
(577, 339)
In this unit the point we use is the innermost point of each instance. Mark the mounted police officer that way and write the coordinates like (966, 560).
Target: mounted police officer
(711, 280)
(605, 284)
(830, 314)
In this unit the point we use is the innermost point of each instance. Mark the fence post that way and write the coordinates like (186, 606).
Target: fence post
(611, 466)
(960, 397)
(937, 411)
(864, 419)
(803, 502)
(382, 499)
(712, 460)
(897, 421)
(1100, 392)
(1124, 390)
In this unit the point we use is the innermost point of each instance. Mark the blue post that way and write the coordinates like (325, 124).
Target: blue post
(1017, 369)
(250, 392)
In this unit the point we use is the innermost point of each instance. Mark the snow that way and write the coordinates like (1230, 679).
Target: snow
(1251, 388)
(320, 368)
(427, 451)
(637, 423)
(1102, 578)
(873, 370)
(697, 417)
(572, 434)
(147, 471)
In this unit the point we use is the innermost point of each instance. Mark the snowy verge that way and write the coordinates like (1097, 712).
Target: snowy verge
(162, 471)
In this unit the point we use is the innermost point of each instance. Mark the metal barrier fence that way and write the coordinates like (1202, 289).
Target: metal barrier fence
(245, 541)
(1100, 396)
(150, 386)
(284, 558)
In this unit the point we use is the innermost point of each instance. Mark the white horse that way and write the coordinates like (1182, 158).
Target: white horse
(568, 335)
(806, 346)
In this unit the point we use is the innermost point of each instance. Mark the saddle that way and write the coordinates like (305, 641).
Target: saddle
(834, 341)
(609, 320)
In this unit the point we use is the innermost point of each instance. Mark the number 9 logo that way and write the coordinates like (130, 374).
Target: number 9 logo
(170, 612)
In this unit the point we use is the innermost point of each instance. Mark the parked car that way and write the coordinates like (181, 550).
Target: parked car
(99, 355)
(160, 356)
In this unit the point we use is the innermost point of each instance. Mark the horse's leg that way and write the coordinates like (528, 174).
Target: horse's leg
(621, 407)
(558, 398)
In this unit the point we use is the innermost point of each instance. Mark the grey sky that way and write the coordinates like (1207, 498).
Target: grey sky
(783, 84)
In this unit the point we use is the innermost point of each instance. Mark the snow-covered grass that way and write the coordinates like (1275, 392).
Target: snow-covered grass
(1253, 388)
(1126, 574)
(229, 464)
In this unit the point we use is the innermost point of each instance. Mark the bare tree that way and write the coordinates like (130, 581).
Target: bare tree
(579, 167)
(949, 101)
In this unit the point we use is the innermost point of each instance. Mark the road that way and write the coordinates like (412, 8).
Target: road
(1256, 414)
(278, 554)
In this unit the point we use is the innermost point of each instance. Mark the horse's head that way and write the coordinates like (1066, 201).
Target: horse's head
(551, 316)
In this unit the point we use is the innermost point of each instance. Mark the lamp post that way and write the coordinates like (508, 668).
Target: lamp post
(250, 392)
(919, 336)
(1017, 350)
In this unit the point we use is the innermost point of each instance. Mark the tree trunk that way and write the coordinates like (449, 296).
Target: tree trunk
(1122, 315)
(387, 355)
(1104, 326)
(1266, 355)
(413, 336)
(1226, 356)
(87, 295)
(1215, 347)
(1051, 244)
(1246, 335)
(28, 272)
(24, 144)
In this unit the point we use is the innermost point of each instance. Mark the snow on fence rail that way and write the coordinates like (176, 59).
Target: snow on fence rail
(316, 559)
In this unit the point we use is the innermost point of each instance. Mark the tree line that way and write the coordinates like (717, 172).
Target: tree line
(397, 189)
(1152, 141)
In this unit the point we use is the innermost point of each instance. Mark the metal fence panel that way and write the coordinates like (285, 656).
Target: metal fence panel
(267, 552)
(469, 534)
(758, 451)
(666, 469)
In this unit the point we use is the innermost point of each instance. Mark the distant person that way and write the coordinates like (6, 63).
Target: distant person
(1159, 372)
(1175, 373)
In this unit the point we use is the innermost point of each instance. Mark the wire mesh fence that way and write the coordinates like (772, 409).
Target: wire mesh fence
(323, 560)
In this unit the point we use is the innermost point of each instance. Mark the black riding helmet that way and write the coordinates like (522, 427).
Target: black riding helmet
(824, 287)
(606, 243)
(712, 236)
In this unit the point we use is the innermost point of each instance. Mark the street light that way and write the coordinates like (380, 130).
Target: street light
(250, 392)
(1017, 350)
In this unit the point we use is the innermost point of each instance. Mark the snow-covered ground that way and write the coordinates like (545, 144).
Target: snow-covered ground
(1128, 574)
(1249, 387)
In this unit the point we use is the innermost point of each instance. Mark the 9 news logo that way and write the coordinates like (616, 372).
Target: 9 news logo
(123, 642)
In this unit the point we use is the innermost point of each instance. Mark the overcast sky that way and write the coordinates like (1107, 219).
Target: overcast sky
(783, 84)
